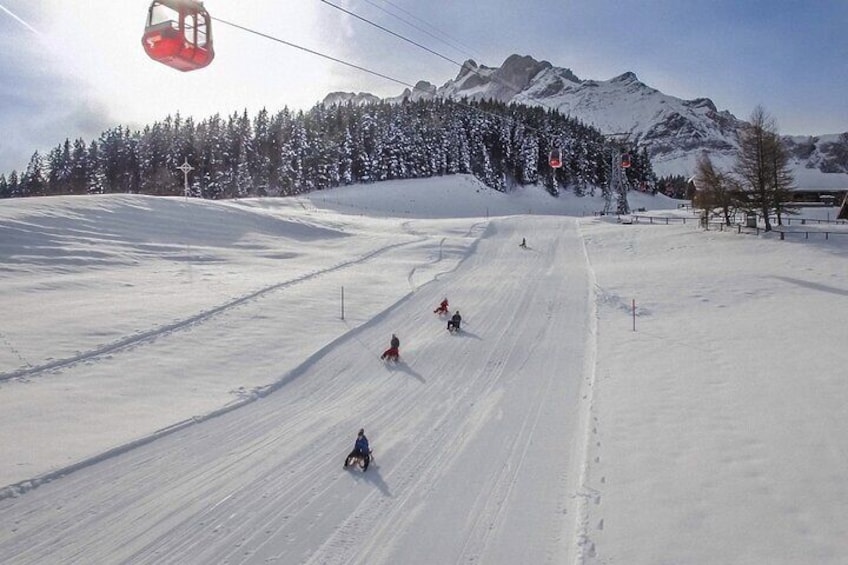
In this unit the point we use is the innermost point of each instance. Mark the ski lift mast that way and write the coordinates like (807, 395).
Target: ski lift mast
(618, 184)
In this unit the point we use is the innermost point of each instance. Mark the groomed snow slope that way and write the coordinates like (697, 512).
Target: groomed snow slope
(547, 432)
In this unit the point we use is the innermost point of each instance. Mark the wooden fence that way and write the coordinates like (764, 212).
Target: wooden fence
(781, 231)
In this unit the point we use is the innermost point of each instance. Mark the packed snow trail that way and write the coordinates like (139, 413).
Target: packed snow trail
(162, 363)
(477, 439)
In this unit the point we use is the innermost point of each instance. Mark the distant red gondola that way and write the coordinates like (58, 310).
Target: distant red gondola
(625, 160)
(179, 34)
(555, 159)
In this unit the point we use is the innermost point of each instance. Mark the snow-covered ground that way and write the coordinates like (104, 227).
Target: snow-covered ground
(181, 380)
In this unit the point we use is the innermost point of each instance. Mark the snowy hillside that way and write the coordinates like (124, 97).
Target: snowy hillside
(180, 381)
(667, 126)
(674, 131)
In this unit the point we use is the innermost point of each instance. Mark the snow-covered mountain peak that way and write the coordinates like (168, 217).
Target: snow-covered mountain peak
(626, 77)
(674, 131)
(359, 99)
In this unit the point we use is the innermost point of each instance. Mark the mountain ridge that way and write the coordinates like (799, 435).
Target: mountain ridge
(674, 131)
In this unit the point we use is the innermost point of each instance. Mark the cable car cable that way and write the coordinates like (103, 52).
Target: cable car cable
(446, 39)
(313, 52)
(390, 32)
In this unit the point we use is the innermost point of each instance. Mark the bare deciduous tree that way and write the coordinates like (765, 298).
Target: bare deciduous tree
(718, 193)
(761, 167)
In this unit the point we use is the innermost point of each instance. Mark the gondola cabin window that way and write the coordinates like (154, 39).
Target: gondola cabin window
(555, 159)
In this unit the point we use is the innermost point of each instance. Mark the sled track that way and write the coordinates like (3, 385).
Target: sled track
(474, 391)
(410, 476)
(493, 499)
(266, 484)
(191, 321)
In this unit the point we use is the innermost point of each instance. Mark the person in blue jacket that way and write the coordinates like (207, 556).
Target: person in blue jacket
(361, 450)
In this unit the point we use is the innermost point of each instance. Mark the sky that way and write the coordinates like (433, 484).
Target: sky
(74, 69)
(607, 400)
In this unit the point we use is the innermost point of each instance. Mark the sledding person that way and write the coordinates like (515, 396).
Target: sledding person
(523, 243)
(443, 307)
(361, 450)
(453, 323)
(393, 352)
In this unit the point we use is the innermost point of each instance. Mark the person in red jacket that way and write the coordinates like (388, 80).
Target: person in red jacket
(393, 352)
(443, 307)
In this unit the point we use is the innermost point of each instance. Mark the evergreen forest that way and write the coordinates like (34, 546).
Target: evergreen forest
(290, 153)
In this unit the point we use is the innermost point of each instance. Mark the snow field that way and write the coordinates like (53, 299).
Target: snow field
(548, 431)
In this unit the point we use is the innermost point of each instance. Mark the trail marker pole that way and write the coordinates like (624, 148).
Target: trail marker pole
(634, 314)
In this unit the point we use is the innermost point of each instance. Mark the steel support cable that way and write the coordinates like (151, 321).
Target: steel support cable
(446, 39)
(313, 52)
(392, 33)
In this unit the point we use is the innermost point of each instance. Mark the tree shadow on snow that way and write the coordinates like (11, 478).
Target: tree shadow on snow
(815, 286)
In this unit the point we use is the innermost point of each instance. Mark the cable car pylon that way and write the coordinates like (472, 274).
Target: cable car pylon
(618, 184)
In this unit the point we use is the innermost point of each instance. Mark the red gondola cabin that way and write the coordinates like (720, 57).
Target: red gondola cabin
(625, 160)
(179, 34)
(555, 159)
